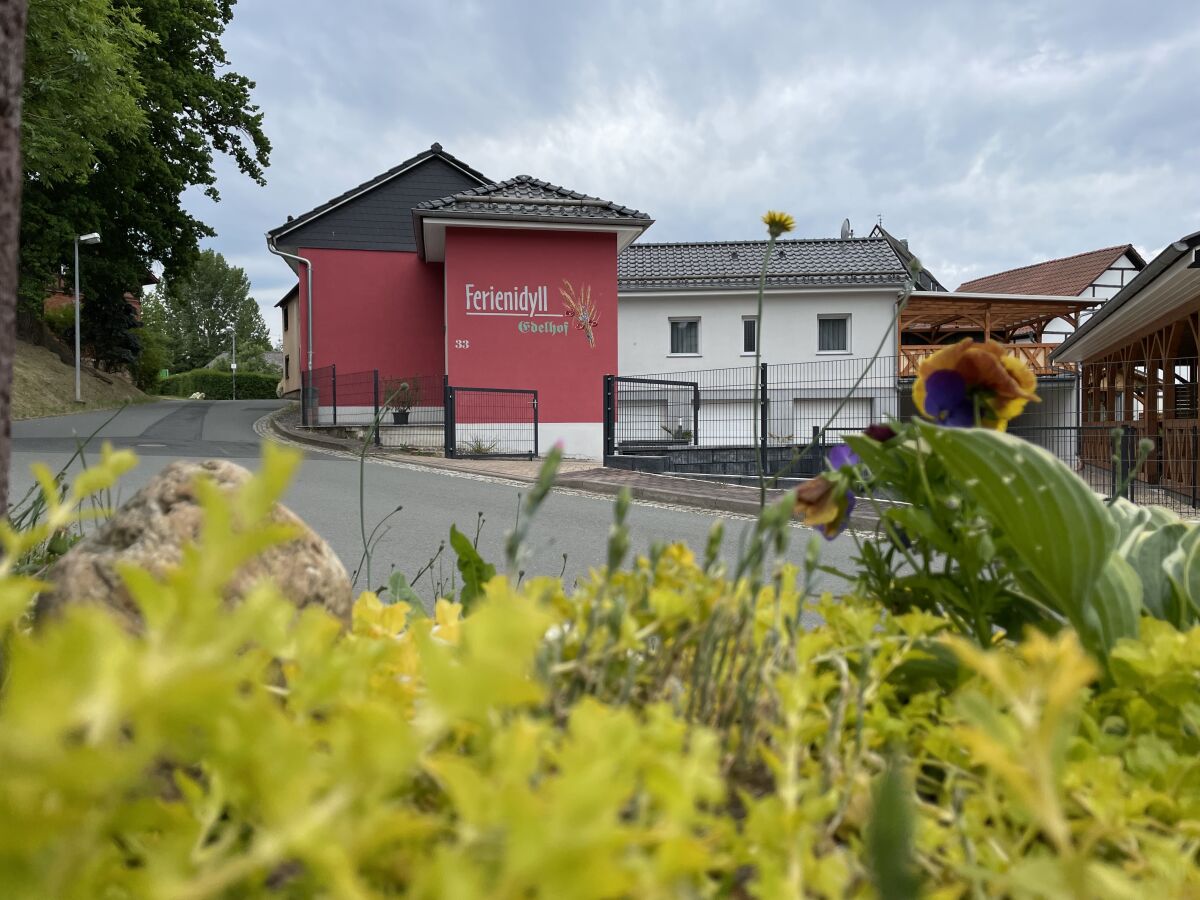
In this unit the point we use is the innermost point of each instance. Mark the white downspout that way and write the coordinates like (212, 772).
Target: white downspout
(308, 273)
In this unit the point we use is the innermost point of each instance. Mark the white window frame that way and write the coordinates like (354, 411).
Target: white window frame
(746, 319)
(849, 334)
(699, 346)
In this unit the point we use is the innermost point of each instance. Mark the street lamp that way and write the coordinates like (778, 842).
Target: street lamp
(90, 238)
(233, 364)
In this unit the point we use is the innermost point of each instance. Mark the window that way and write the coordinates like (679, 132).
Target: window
(749, 334)
(685, 337)
(287, 367)
(833, 334)
(285, 318)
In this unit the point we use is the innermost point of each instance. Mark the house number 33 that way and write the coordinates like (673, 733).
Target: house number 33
(460, 344)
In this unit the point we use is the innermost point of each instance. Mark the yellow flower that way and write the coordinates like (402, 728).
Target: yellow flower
(778, 223)
(970, 384)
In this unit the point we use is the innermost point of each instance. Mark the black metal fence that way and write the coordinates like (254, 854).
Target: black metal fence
(491, 422)
(422, 412)
(716, 421)
(721, 421)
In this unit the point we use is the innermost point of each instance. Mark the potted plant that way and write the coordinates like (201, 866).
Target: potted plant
(400, 396)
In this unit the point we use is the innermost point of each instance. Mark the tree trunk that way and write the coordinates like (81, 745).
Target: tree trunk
(12, 61)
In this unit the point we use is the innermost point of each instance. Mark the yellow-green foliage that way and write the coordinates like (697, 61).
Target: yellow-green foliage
(658, 733)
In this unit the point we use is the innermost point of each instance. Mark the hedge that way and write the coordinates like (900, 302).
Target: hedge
(219, 385)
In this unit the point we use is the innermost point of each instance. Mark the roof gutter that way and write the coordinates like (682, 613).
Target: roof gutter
(308, 274)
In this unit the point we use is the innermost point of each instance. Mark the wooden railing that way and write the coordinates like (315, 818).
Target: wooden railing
(1036, 356)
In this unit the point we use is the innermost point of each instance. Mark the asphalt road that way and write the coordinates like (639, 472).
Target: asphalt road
(326, 493)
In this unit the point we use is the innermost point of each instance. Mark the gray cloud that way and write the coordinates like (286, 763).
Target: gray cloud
(989, 135)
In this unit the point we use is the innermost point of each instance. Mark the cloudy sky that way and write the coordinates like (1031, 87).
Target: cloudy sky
(989, 137)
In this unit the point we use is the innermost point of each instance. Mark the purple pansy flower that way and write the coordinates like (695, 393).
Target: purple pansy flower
(947, 400)
(842, 455)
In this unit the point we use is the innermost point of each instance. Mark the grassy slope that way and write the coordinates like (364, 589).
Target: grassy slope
(43, 386)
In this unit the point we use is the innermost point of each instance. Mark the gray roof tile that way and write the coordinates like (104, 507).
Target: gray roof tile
(525, 197)
(738, 264)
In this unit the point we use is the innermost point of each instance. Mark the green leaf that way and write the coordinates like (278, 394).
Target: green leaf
(891, 837)
(475, 572)
(1148, 553)
(1061, 531)
(1182, 568)
(399, 589)
(1113, 607)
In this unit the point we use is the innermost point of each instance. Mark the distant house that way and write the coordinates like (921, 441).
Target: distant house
(1098, 274)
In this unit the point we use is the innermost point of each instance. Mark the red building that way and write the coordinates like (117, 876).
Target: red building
(431, 269)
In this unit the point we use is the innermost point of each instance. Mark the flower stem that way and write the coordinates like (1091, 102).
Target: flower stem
(757, 411)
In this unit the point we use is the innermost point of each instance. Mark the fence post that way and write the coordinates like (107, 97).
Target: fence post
(1126, 462)
(817, 449)
(448, 417)
(1195, 448)
(762, 414)
(304, 379)
(610, 424)
(696, 414)
(333, 377)
(375, 403)
(535, 425)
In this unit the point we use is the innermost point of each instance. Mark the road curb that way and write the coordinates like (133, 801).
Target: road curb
(671, 490)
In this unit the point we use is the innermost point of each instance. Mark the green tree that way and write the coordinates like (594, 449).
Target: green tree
(198, 313)
(81, 86)
(191, 107)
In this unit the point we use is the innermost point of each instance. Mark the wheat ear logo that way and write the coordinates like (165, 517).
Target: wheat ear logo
(579, 307)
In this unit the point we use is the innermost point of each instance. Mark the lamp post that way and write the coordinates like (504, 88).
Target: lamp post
(89, 238)
(233, 365)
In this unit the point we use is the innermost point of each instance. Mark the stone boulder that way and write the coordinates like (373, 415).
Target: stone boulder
(159, 520)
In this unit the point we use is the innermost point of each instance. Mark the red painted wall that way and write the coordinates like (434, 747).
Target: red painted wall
(496, 343)
(373, 309)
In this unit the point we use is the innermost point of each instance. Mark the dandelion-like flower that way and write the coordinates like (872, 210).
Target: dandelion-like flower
(778, 223)
(969, 383)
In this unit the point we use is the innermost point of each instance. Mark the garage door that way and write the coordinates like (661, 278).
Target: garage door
(810, 413)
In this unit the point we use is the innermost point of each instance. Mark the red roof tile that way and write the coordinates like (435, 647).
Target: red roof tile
(1066, 277)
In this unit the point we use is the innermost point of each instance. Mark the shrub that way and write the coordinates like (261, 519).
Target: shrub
(219, 385)
(60, 320)
(665, 729)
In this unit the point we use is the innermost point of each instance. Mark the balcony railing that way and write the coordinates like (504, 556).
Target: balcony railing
(1036, 356)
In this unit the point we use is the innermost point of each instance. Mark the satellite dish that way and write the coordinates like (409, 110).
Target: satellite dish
(847, 233)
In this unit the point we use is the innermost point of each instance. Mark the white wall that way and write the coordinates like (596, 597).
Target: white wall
(1111, 280)
(789, 327)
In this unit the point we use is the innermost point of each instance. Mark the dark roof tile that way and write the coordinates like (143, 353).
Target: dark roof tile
(525, 197)
(738, 264)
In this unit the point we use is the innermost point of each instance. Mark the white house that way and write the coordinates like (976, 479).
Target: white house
(687, 314)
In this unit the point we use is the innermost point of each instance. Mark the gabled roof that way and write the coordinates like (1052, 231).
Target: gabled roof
(293, 292)
(737, 264)
(528, 198)
(925, 279)
(1091, 338)
(434, 152)
(1066, 277)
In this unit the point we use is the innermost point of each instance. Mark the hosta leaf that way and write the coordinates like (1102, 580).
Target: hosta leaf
(1147, 554)
(1113, 606)
(1182, 567)
(1058, 527)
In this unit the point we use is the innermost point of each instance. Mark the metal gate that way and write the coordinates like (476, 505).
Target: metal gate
(645, 413)
(491, 422)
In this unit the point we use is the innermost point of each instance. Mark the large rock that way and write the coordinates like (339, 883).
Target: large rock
(160, 519)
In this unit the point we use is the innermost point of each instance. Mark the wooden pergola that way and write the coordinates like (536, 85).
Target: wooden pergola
(931, 319)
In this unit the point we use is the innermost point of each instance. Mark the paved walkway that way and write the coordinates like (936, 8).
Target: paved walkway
(574, 474)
